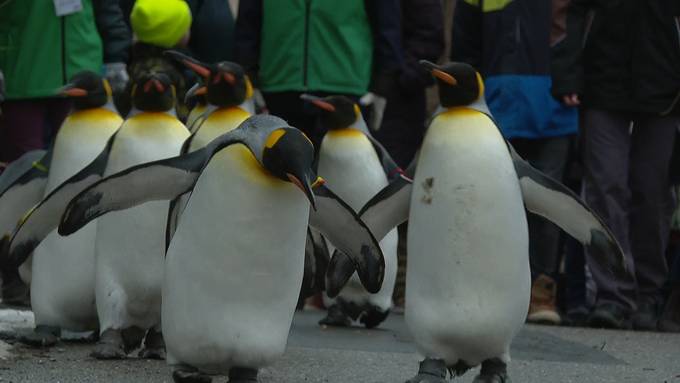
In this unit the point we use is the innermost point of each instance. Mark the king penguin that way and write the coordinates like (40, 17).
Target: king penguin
(130, 245)
(468, 279)
(234, 266)
(352, 160)
(62, 282)
(228, 95)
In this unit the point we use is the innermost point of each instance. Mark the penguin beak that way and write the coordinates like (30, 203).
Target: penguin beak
(71, 90)
(200, 68)
(196, 90)
(438, 73)
(306, 186)
(318, 102)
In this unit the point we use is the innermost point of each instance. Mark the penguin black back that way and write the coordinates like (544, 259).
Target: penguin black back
(88, 90)
(153, 92)
(459, 83)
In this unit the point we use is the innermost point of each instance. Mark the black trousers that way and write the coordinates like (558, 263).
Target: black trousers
(626, 160)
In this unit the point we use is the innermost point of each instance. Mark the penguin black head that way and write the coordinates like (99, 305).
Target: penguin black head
(88, 90)
(459, 83)
(289, 155)
(153, 92)
(226, 83)
(338, 112)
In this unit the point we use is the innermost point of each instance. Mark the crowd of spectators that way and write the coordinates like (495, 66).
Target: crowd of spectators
(588, 91)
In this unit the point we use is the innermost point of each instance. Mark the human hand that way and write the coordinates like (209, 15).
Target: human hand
(571, 99)
(117, 75)
(377, 105)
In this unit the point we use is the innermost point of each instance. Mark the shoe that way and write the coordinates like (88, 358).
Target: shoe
(577, 316)
(646, 316)
(542, 308)
(609, 315)
(670, 319)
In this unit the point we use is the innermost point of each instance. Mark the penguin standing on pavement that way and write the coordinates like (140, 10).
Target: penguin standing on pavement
(62, 282)
(234, 266)
(130, 245)
(468, 279)
(353, 161)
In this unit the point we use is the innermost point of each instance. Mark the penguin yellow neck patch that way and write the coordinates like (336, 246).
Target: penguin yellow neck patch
(348, 132)
(273, 138)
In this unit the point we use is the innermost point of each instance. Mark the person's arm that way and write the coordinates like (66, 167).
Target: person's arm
(567, 52)
(466, 34)
(423, 39)
(247, 36)
(115, 34)
(116, 40)
(385, 19)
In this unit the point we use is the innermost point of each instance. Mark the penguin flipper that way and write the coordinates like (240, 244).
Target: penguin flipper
(44, 217)
(316, 263)
(389, 207)
(175, 209)
(343, 228)
(340, 270)
(164, 179)
(392, 170)
(22, 186)
(552, 200)
(34, 163)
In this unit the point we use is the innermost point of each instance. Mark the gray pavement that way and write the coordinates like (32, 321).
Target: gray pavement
(540, 354)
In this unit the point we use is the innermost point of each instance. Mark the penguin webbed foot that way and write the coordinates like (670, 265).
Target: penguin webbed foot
(341, 314)
(493, 371)
(186, 374)
(430, 371)
(373, 317)
(154, 345)
(41, 336)
(242, 375)
(110, 346)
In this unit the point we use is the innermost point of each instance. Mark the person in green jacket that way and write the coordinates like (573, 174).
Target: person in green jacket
(323, 47)
(42, 45)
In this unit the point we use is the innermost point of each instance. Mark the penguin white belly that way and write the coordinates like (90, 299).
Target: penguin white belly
(468, 280)
(234, 267)
(62, 282)
(348, 161)
(218, 122)
(130, 244)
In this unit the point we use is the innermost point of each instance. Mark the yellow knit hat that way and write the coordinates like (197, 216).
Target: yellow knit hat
(160, 22)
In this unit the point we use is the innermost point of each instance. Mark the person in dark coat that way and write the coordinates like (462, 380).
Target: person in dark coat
(403, 124)
(620, 61)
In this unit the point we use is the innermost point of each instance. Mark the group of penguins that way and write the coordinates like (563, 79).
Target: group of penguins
(223, 218)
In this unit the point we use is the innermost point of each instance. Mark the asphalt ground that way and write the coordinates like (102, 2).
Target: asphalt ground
(329, 355)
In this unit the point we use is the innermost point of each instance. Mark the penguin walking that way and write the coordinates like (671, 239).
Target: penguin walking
(62, 282)
(350, 158)
(234, 266)
(130, 245)
(468, 279)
